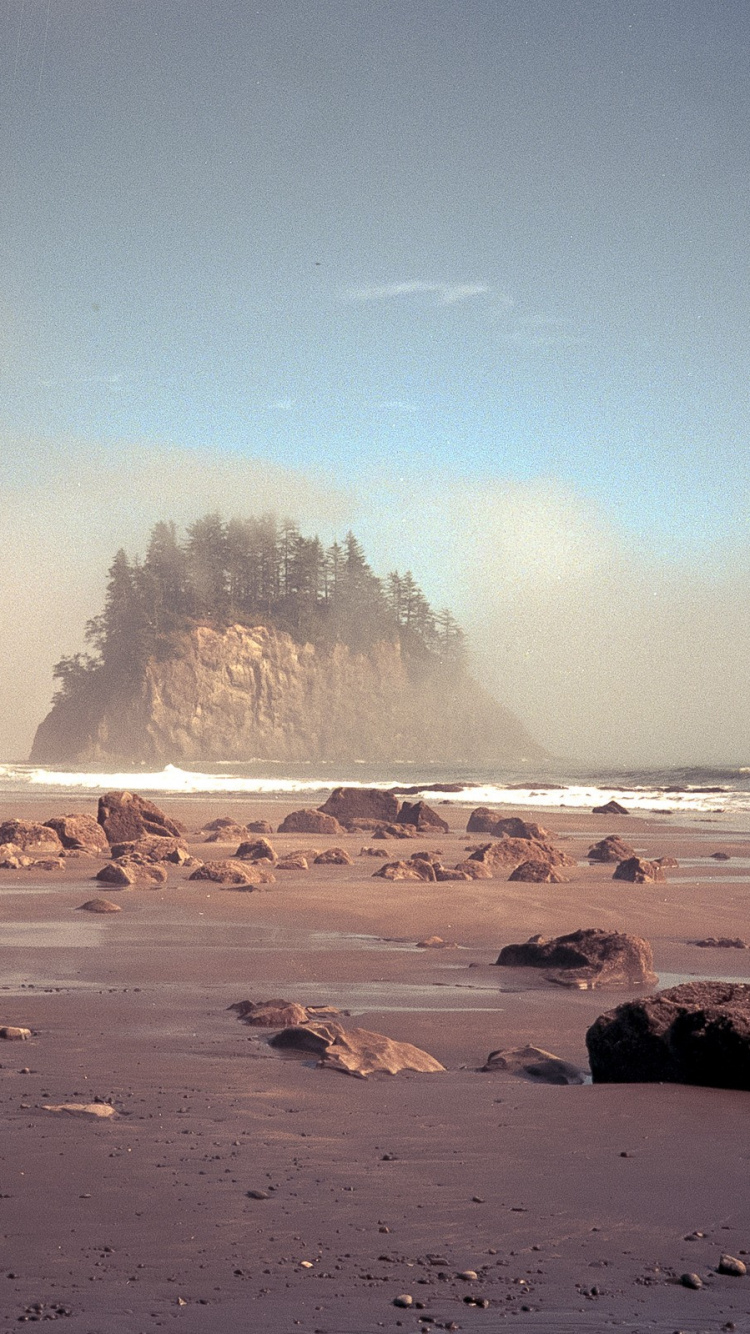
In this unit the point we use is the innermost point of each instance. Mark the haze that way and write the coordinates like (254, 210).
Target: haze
(472, 279)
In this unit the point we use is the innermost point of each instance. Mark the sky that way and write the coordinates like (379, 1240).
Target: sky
(471, 278)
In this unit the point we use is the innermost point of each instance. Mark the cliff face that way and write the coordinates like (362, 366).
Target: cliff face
(255, 694)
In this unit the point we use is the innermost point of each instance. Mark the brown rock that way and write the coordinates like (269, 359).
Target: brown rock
(539, 873)
(80, 832)
(48, 864)
(667, 863)
(295, 863)
(510, 852)
(474, 870)
(611, 808)
(586, 958)
(373, 852)
(279, 1013)
(396, 831)
(259, 827)
(99, 905)
(115, 873)
(30, 836)
(227, 833)
(533, 1063)
(333, 857)
(638, 871)
(98, 1111)
(234, 873)
(610, 849)
(484, 821)
(406, 871)
(355, 1051)
(445, 873)
(10, 1033)
(255, 850)
(697, 1033)
(125, 817)
(365, 826)
(421, 816)
(224, 822)
(152, 849)
(310, 822)
(361, 803)
(131, 871)
(723, 943)
(728, 1264)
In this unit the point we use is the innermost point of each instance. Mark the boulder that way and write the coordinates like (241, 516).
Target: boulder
(610, 849)
(355, 1051)
(533, 1063)
(361, 803)
(638, 871)
(510, 852)
(125, 817)
(98, 905)
(539, 873)
(421, 816)
(310, 822)
(586, 958)
(115, 873)
(131, 871)
(234, 874)
(396, 831)
(296, 862)
(610, 808)
(80, 832)
(279, 1013)
(373, 852)
(259, 827)
(226, 833)
(723, 943)
(13, 858)
(222, 822)
(406, 871)
(484, 821)
(150, 849)
(474, 870)
(697, 1033)
(11, 1033)
(255, 850)
(98, 1111)
(30, 836)
(333, 857)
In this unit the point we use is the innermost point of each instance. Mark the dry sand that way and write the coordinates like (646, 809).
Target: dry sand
(572, 1205)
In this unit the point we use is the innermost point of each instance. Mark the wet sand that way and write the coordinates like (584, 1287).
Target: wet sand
(572, 1205)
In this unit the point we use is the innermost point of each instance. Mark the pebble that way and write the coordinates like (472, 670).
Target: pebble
(729, 1265)
(691, 1281)
(468, 1274)
(258, 1195)
(404, 1299)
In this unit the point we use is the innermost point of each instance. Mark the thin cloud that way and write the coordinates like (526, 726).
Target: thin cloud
(448, 294)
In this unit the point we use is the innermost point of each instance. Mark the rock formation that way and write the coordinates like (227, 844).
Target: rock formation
(30, 836)
(697, 1033)
(355, 1051)
(533, 1063)
(610, 849)
(586, 958)
(239, 692)
(81, 833)
(638, 871)
(125, 817)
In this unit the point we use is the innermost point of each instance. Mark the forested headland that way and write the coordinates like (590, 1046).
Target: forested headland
(256, 571)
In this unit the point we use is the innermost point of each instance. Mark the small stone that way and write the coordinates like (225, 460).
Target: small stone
(12, 1034)
(258, 1195)
(404, 1299)
(305, 1264)
(691, 1281)
(729, 1265)
(469, 1275)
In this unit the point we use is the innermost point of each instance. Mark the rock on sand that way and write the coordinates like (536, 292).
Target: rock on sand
(356, 1051)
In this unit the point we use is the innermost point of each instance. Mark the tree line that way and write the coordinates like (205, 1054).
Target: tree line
(252, 571)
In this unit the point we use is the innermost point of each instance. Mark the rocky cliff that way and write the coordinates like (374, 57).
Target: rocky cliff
(242, 694)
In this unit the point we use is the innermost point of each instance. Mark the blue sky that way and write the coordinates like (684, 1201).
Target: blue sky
(497, 242)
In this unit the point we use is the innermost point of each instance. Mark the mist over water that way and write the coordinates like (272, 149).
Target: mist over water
(610, 652)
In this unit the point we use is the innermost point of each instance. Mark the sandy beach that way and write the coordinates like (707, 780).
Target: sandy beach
(573, 1206)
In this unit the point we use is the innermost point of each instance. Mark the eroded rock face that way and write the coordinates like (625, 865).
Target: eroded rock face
(638, 871)
(234, 874)
(589, 957)
(80, 832)
(361, 803)
(421, 816)
(355, 1051)
(419, 870)
(610, 849)
(126, 817)
(540, 873)
(310, 822)
(30, 836)
(533, 1063)
(697, 1033)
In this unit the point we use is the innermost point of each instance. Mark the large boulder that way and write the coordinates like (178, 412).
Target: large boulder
(419, 870)
(355, 1051)
(473, 870)
(510, 852)
(333, 857)
(422, 817)
(30, 836)
(82, 833)
(124, 817)
(610, 849)
(697, 1033)
(310, 822)
(484, 821)
(638, 871)
(538, 872)
(589, 957)
(126, 871)
(153, 849)
(234, 874)
(255, 850)
(533, 1063)
(361, 803)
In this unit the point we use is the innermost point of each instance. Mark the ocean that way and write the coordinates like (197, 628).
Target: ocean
(689, 791)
